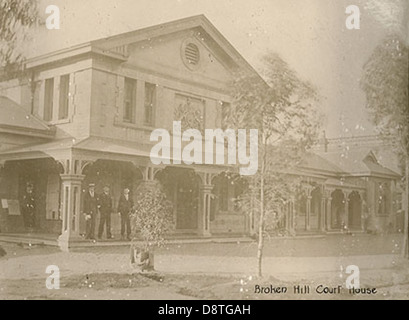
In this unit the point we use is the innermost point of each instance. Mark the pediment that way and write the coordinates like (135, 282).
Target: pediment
(191, 48)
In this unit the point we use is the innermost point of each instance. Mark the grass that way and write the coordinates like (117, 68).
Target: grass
(197, 286)
(330, 246)
(205, 287)
(215, 285)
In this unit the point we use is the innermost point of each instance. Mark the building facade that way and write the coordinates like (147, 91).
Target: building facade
(85, 114)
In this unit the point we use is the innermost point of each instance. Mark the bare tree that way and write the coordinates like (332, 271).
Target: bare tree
(283, 109)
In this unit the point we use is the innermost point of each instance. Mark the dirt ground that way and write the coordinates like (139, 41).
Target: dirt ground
(212, 271)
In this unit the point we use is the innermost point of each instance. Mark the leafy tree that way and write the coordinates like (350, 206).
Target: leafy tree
(152, 215)
(151, 218)
(391, 14)
(385, 81)
(283, 109)
(16, 16)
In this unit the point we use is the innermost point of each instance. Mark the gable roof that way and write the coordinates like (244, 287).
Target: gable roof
(358, 162)
(315, 162)
(15, 119)
(115, 47)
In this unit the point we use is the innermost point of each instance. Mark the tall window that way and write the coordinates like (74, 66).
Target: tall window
(150, 101)
(64, 97)
(49, 99)
(129, 100)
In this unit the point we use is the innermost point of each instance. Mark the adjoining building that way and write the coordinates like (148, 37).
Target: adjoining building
(349, 190)
(85, 114)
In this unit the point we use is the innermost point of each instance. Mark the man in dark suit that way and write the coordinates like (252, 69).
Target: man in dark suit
(28, 207)
(90, 211)
(105, 210)
(125, 206)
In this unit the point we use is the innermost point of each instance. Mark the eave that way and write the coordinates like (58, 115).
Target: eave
(37, 133)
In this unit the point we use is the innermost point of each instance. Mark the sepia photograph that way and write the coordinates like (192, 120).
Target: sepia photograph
(180, 150)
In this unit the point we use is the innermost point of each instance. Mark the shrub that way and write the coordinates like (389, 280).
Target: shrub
(152, 216)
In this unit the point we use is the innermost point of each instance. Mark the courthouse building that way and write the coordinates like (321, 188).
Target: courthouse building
(85, 114)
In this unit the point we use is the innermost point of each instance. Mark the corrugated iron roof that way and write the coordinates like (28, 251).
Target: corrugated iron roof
(15, 117)
(357, 162)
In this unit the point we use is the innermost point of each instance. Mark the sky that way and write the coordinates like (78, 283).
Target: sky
(311, 35)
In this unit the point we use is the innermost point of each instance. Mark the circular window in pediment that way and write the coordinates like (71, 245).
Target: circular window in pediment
(191, 55)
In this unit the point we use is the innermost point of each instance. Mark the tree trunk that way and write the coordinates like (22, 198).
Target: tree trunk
(142, 259)
(261, 229)
(261, 221)
(405, 202)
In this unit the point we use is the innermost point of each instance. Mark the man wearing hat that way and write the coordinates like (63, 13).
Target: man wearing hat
(125, 206)
(90, 211)
(28, 207)
(105, 210)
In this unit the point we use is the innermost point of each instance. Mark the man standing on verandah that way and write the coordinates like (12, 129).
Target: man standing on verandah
(105, 209)
(125, 206)
(90, 211)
